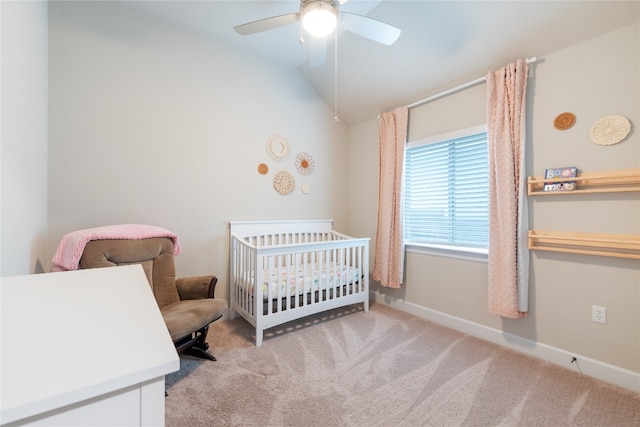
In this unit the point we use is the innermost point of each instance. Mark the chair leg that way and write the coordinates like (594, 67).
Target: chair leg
(198, 352)
(200, 346)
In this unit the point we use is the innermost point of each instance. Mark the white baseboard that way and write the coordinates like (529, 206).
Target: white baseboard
(585, 365)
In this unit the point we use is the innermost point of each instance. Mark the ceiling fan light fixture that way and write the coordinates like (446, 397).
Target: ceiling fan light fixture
(319, 17)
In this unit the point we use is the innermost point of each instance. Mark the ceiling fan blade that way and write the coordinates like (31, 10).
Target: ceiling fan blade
(317, 51)
(370, 28)
(267, 24)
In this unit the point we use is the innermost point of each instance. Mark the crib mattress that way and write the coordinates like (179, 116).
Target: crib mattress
(302, 279)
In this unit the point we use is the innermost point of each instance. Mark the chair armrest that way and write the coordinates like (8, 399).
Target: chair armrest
(196, 287)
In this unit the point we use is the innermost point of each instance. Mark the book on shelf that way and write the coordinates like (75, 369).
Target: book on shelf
(560, 173)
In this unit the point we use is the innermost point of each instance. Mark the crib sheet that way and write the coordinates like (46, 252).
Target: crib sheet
(303, 279)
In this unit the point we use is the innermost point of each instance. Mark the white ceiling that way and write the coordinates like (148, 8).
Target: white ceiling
(443, 43)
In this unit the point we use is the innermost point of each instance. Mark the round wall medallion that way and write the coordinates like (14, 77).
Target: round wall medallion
(278, 148)
(306, 188)
(284, 183)
(305, 164)
(263, 169)
(564, 121)
(609, 130)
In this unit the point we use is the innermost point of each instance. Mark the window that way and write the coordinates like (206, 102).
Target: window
(446, 192)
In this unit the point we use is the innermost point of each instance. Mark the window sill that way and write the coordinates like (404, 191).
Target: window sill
(457, 252)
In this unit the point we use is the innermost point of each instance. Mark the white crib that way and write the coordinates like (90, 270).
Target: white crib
(300, 267)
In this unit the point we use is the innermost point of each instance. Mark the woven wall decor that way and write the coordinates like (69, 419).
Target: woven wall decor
(278, 148)
(564, 121)
(284, 183)
(609, 130)
(305, 164)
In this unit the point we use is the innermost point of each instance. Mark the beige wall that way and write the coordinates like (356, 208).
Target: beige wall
(154, 124)
(24, 138)
(592, 79)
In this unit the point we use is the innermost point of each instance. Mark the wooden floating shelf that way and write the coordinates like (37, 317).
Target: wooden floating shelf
(602, 182)
(611, 245)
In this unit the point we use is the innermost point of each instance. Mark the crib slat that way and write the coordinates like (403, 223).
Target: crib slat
(314, 266)
(335, 292)
(290, 276)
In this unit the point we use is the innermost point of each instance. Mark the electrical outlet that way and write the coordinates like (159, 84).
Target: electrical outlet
(599, 314)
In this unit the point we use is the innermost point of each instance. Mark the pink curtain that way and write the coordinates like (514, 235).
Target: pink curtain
(508, 223)
(388, 264)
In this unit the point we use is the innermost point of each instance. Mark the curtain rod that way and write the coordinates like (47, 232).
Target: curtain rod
(458, 88)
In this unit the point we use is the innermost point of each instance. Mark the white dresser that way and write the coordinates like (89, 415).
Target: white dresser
(86, 347)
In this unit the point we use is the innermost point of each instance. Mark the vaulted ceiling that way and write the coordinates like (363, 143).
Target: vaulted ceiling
(443, 43)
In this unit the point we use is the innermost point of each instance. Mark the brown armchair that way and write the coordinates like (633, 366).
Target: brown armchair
(187, 304)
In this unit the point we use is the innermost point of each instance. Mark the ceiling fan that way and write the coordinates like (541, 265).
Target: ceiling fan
(319, 18)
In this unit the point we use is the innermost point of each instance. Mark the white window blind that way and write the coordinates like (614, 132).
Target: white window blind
(447, 191)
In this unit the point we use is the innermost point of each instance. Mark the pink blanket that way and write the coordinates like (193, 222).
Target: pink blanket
(69, 252)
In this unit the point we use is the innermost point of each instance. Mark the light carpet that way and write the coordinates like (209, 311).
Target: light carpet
(381, 368)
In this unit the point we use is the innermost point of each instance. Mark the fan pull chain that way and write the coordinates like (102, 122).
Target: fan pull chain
(335, 77)
(301, 39)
